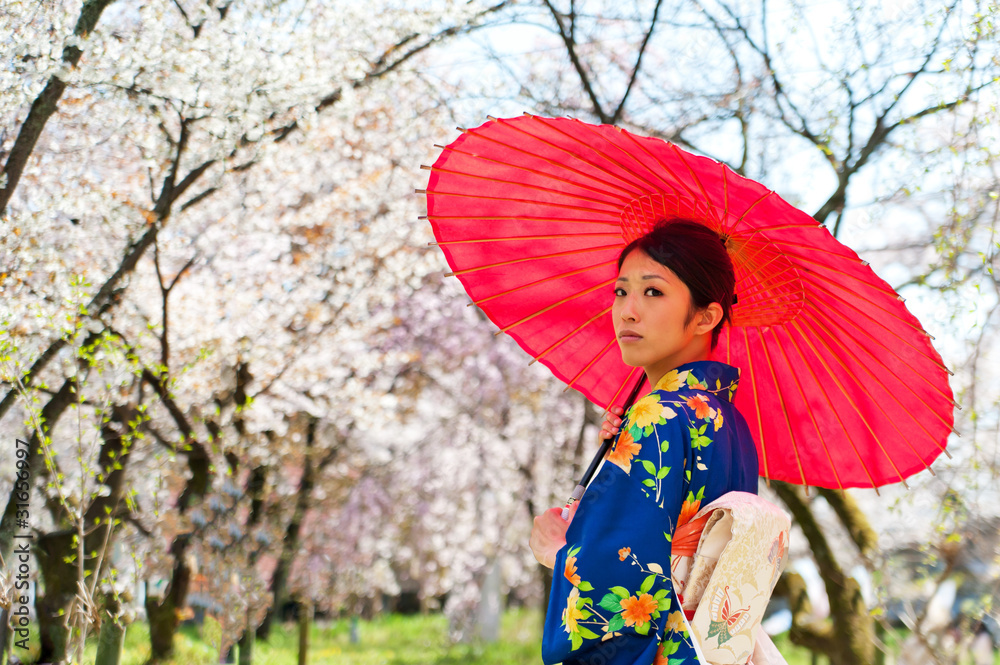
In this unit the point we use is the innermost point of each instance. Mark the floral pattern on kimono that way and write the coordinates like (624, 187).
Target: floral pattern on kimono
(680, 447)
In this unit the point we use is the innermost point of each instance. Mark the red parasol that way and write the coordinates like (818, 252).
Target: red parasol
(840, 385)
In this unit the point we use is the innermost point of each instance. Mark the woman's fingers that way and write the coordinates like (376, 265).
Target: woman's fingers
(611, 422)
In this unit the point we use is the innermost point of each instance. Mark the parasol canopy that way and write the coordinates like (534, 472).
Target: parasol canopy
(840, 384)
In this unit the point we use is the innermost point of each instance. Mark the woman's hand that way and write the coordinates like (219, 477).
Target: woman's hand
(548, 535)
(612, 421)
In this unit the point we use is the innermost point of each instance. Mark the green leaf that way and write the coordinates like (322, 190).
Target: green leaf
(586, 614)
(670, 647)
(574, 551)
(611, 603)
(649, 467)
(585, 586)
(576, 641)
(665, 446)
(647, 583)
(588, 633)
(660, 594)
(655, 614)
(662, 473)
(642, 628)
(649, 482)
(581, 603)
(620, 591)
(668, 536)
(616, 623)
(664, 604)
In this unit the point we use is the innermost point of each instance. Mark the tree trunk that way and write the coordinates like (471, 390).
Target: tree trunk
(59, 579)
(847, 638)
(59, 575)
(163, 614)
(111, 642)
(5, 634)
(290, 543)
(305, 622)
(246, 643)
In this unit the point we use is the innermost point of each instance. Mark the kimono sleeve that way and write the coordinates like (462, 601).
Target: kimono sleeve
(612, 599)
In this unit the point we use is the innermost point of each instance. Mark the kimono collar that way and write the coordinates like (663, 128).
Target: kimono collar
(711, 376)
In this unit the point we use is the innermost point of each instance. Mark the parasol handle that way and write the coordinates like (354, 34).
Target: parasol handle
(587, 476)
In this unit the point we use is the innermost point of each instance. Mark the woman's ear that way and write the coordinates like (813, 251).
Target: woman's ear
(708, 318)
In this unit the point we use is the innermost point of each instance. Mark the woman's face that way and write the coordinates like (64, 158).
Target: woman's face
(653, 318)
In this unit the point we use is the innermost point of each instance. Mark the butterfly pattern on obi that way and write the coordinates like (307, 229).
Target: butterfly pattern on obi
(725, 621)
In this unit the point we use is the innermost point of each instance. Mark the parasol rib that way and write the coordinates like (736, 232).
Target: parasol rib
(439, 169)
(443, 243)
(557, 304)
(830, 267)
(923, 352)
(525, 218)
(589, 365)
(620, 389)
(784, 409)
(692, 195)
(694, 176)
(753, 205)
(892, 395)
(466, 271)
(833, 410)
(843, 391)
(812, 416)
(831, 322)
(563, 339)
(550, 278)
(756, 401)
(629, 195)
(649, 186)
(640, 191)
(547, 204)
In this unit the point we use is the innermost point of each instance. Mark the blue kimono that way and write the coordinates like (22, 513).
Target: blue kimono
(680, 447)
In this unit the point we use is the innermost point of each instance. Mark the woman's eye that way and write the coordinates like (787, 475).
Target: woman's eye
(620, 292)
(653, 292)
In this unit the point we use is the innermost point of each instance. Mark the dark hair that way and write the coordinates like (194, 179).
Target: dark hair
(698, 256)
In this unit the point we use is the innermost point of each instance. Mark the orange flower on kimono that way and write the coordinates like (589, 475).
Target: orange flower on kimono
(689, 509)
(623, 553)
(700, 405)
(661, 659)
(571, 614)
(623, 452)
(637, 611)
(570, 571)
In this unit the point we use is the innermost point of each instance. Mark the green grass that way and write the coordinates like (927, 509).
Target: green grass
(387, 640)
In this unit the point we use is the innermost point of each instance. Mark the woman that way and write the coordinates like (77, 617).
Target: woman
(681, 446)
